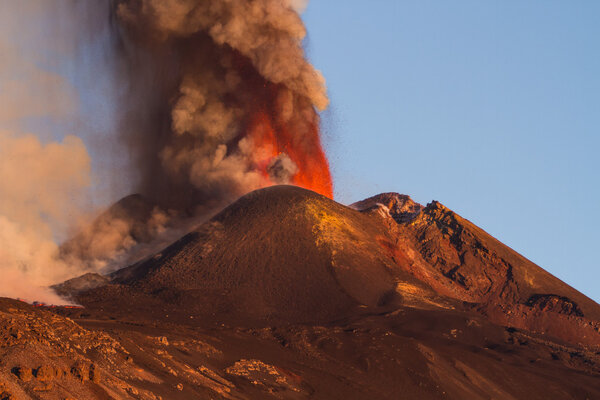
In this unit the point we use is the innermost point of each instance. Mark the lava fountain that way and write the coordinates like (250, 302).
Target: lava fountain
(295, 141)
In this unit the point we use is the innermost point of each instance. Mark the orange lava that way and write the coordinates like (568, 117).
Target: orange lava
(302, 145)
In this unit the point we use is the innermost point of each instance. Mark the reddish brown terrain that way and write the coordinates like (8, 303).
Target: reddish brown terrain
(287, 294)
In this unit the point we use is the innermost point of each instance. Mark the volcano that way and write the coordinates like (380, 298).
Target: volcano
(288, 294)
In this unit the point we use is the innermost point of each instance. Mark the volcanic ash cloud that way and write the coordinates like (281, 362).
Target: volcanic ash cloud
(224, 90)
(43, 181)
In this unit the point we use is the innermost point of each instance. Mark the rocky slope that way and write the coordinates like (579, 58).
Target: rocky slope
(287, 294)
(461, 261)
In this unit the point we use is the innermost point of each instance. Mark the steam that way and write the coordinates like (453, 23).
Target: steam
(281, 169)
(212, 99)
(38, 184)
(44, 176)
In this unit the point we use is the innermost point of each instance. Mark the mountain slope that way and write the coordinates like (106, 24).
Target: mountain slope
(288, 254)
(286, 294)
(464, 262)
(410, 353)
(281, 252)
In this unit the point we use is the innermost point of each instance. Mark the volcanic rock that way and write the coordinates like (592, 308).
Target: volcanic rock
(554, 303)
(287, 294)
(23, 373)
(463, 262)
(288, 254)
(47, 373)
(399, 206)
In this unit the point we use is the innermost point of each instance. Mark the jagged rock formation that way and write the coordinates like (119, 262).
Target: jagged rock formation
(399, 206)
(461, 261)
(554, 303)
(133, 219)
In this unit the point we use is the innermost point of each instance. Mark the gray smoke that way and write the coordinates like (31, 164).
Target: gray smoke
(199, 72)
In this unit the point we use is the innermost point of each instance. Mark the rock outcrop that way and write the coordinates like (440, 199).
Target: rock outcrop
(399, 206)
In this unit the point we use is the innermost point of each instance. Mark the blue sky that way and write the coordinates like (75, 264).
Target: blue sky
(491, 107)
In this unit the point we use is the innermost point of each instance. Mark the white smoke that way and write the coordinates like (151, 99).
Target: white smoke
(42, 181)
(39, 187)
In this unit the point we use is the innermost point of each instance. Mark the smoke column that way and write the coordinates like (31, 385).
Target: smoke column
(221, 100)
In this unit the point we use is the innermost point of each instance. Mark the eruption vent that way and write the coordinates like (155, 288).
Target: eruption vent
(221, 100)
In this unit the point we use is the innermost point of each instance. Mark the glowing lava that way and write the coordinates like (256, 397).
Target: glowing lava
(299, 140)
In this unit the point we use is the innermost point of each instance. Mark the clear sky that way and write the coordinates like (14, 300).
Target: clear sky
(490, 107)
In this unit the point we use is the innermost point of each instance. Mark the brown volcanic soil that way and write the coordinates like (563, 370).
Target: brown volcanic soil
(289, 295)
(281, 253)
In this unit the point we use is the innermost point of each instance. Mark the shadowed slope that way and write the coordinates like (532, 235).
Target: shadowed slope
(461, 261)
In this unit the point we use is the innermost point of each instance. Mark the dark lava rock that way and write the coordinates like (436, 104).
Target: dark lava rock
(23, 373)
(46, 373)
(554, 303)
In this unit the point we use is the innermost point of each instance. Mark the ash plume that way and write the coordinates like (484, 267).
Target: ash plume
(216, 91)
(29, 255)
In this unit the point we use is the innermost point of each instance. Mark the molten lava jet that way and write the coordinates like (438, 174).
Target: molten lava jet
(289, 150)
